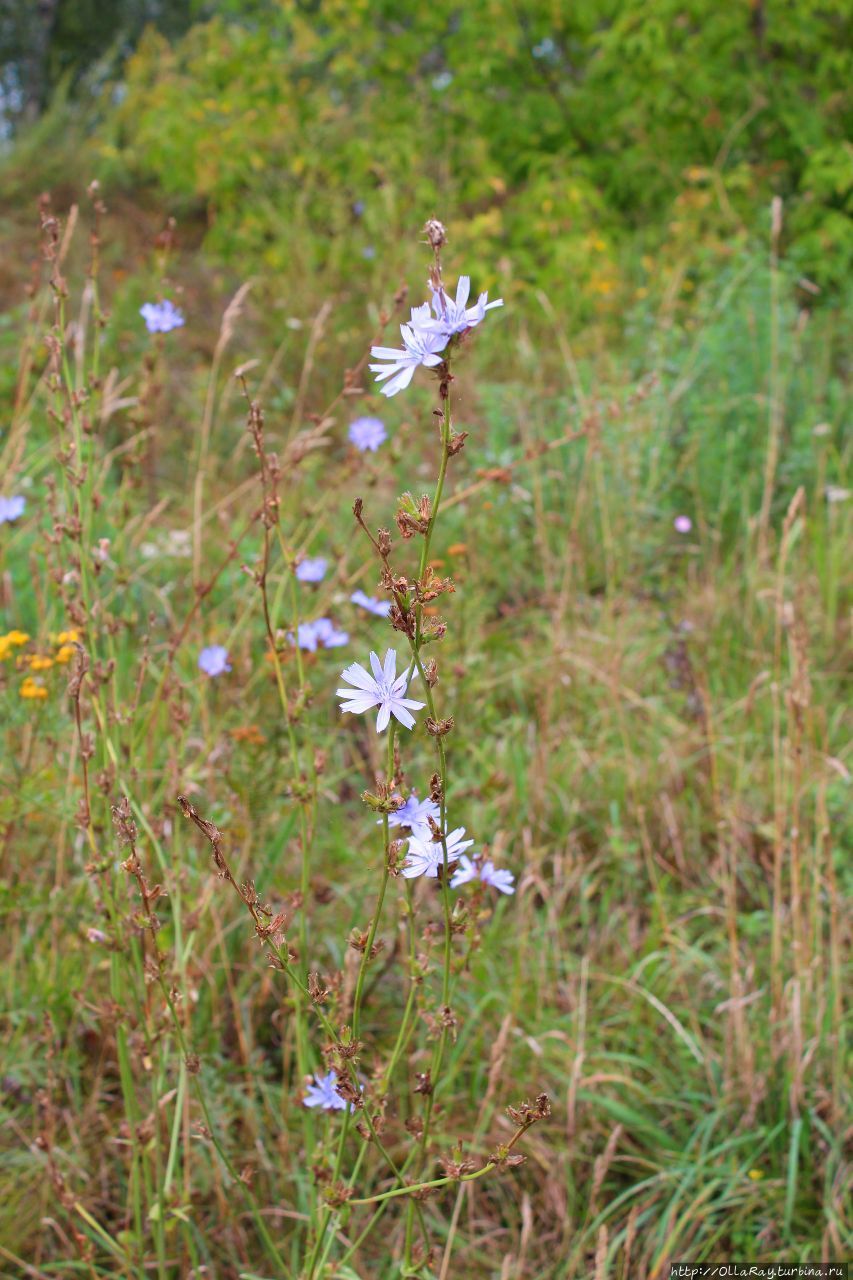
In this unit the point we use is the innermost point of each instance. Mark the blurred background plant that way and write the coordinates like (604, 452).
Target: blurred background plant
(303, 134)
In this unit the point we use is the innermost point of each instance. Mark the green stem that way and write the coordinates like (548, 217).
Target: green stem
(425, 1186)
(416, 645)
(374, 924)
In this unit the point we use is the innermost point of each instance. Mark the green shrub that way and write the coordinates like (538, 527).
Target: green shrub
(533, 129)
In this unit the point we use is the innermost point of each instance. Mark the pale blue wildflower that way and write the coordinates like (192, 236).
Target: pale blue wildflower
(423, 339)
(384, 689)
(381, 608)
(213, 660)
(415, 814)
(454, 316)
(367, 434)
(467, 870)
(309, 570)
(161, 317)
(426, 855)
(12, 509)
(319, 634)
(323, 1093)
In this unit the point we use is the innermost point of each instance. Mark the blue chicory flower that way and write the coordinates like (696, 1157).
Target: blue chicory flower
(11, 509)
(213, 660)
(423, 339)
(486, 871)
(454, 316)
(426, 855)
(415, 814)
(323, 1093)
(367, 434)
(425, 336)
(381, 608)
(319, 634)
(384, 689)
(309, 570)
(161, 317)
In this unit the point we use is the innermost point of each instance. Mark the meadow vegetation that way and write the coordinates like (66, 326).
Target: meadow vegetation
(632, 576)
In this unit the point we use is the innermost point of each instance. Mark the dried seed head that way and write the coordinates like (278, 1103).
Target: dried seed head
(435, 629)
(358, 942)
(318, 993)
(454, 1166)
(528, 1113)
(337, 1194)
(346, 1047)
(123, 821)
(424, 1083)
(439, 728)
(348, 1091)
(430, 587)
(410, 525)
(436, 233)
(401, 621)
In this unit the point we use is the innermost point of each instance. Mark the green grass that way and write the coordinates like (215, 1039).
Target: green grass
(650, 732)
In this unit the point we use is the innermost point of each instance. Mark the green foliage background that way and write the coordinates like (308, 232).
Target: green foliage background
(550, 134)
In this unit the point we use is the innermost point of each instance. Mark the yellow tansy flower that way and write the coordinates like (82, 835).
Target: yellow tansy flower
(65, 654)
(10, 641)
(32, 689)
(68, 637)
(40, 663)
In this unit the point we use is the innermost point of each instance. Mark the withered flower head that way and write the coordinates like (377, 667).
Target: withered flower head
(454, 1165)
(318, 993)
(123, 821)
(528, 1113)
(436, 234)
(439, 728)
(424, 1084)
(337, 1194)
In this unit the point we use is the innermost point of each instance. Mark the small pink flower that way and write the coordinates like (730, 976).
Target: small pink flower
(682, 524)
